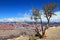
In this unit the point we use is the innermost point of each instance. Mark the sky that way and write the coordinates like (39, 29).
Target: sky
(20, 10)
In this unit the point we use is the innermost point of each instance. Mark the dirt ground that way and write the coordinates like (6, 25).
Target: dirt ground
(53, 33)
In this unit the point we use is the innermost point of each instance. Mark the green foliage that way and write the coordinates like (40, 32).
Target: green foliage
(36, 15)
(52, 6)
(48, 12)
(49, 9)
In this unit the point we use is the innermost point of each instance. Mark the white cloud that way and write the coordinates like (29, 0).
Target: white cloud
(56, 18)
(26, 17)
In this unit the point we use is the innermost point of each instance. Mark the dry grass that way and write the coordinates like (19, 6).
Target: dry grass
(53, 33)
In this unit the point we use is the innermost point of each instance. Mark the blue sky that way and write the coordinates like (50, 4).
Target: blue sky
(20, 8)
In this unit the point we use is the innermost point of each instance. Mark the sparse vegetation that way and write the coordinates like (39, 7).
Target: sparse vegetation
(36, 15)
(48, 12)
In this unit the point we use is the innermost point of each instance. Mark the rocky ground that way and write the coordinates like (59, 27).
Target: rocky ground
(52, 33)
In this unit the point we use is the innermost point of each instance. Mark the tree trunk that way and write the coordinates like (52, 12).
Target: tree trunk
(48, 19)
(48, 22)
(43, 32)
(42, 28)
(37, 31)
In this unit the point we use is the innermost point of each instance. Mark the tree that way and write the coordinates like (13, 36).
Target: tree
(36, 15)
(49, 11)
